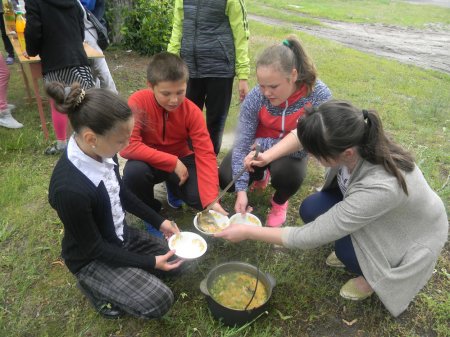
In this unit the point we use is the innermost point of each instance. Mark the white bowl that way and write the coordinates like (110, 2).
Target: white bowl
(221, 220)
(248, 219)
(188, 245)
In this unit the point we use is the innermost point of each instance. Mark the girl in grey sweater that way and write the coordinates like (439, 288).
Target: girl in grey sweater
(388, 225)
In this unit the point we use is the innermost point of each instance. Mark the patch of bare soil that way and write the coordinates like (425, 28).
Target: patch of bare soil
(428, 48)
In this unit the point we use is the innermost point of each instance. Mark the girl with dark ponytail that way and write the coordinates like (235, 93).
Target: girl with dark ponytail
(387, 224)
(347, 126)
(114, 263)
(287, 85)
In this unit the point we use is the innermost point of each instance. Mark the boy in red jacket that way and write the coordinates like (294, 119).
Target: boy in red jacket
(170, 141)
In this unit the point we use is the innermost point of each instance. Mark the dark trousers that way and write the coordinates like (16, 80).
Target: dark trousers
(286, 174)
(140, 178)
(319, 203)
(215, 94)
(8, 46)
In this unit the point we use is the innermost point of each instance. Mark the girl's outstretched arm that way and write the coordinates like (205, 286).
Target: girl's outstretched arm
(238, 232)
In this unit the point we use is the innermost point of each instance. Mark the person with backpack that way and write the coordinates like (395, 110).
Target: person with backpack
(99, 66)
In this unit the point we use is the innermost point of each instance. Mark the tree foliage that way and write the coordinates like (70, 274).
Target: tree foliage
(147, 26)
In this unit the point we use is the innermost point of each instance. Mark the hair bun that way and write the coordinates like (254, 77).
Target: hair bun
(66, 98)
(80, 97)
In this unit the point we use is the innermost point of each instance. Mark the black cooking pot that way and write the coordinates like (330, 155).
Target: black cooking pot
(232, 316)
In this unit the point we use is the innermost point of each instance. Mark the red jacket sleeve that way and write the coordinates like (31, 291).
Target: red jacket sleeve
(141, 106)
(205, 158)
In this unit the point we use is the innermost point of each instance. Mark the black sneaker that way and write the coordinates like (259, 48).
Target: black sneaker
(107, 310)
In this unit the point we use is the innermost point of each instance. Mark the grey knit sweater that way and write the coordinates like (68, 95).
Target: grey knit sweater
(397, 237)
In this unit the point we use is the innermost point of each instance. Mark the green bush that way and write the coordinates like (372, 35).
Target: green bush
(147, 26)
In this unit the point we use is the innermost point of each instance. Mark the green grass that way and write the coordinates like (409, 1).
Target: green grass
(398, 13)
(38, 296)
(277, 12)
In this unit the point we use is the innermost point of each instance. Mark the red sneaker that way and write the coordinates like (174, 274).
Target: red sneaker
(260, 185)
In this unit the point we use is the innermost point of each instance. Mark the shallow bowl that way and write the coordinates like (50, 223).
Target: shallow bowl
(247, 219)
(221, 220)
(188, 245)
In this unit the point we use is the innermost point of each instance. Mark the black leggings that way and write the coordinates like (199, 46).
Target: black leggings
(6, 42)
(287, 175)
(140, 178)
(215, 94)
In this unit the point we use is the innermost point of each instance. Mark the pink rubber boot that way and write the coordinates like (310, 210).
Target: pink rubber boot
(277, 214)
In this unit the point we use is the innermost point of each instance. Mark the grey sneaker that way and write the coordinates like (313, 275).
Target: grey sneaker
(54, 149)
(8, 121)
(9, 60)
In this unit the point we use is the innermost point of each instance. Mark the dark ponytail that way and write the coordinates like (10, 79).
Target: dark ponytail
(335, 126)
(378, 148)
(287, 56)
(97, 109)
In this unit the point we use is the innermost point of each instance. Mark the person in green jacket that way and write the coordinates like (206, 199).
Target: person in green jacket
(213, 41)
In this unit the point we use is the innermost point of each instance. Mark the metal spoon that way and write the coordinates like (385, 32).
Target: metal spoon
(205, 218)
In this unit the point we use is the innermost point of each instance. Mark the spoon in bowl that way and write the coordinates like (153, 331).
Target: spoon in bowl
(204, 218)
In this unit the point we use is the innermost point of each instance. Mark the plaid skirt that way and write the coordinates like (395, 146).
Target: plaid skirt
(67, 76)
(136, 291)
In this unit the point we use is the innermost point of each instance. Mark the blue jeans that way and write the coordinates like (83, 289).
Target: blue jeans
(319, 203)
(153, 231)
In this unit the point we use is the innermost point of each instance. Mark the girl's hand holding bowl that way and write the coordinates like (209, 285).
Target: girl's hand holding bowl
(169, 228)
(162, 262)
(241, 204)
(218, 208)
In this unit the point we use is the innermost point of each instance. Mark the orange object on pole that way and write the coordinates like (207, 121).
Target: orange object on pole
(20, 29)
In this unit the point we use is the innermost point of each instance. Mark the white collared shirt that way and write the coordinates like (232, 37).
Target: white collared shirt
(98, 172)
(343, 179)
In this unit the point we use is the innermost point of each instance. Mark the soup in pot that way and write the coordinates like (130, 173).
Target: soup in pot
(235, 289)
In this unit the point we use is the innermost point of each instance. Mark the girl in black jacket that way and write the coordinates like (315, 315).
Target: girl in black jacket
(55, 32)
(116, 265)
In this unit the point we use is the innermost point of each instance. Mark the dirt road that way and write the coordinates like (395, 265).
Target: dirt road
(440, 3)
(429, 48)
